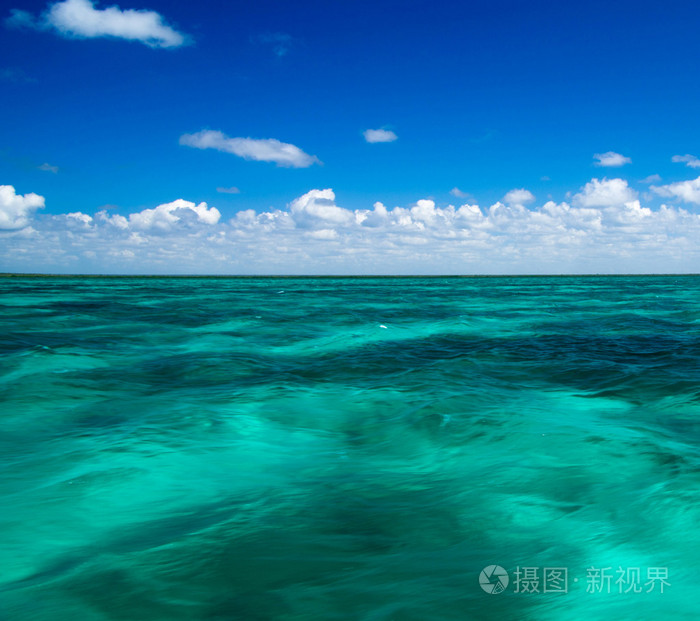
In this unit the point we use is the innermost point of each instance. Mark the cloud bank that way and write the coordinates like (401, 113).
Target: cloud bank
(603, 228)
(261, 150)
(80, 19)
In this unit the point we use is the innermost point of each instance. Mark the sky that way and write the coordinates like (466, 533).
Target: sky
(383, 137)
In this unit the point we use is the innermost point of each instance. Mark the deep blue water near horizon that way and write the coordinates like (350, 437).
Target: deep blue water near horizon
(348, 448)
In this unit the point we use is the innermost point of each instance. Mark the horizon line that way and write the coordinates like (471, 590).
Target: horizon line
(242, 276)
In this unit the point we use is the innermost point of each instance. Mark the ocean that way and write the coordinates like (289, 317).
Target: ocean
(349, 448)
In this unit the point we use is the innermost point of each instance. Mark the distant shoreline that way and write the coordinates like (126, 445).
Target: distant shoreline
(330, 276)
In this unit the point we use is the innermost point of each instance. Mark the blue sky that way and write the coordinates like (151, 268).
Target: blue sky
(107, 107)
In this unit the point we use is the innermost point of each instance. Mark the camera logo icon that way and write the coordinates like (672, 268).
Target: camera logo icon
(493, 579)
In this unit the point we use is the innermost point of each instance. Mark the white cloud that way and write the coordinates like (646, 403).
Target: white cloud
(605, 193)
(611, 159)
(16, 210)
(651, 179)
(48, 168)
(317, 208)
(689, 160)
(166, 218)
(603, 228)
(687, 191)
(80, 19)
(323, 234)
(80, 217)
(379, 135)
(518, 197)
(231, 190)
(457, 193)
(261, 150)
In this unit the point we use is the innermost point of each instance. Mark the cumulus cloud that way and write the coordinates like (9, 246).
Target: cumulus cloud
(232, 190)
(518, 197)
(48, 168)
(379, 135)
(261, 150)
(457, 193)
(16, 210)
(687, 191)
(689, 160)
(164, 218)
(602, 228)
(611, 159)
(651, 179)
(80, 19)
(79, 217)
(605, 193)
(317, 208)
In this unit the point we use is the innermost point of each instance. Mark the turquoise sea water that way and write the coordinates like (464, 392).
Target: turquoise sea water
(319, 448)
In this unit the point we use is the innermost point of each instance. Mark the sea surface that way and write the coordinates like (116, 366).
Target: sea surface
(349, 448)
